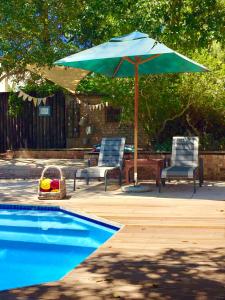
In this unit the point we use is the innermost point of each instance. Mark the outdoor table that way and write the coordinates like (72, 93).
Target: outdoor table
(150, 163)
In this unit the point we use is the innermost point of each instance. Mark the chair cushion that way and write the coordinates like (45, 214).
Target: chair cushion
(178, 171)
(93, 172)
(111, 152)
(185, 151)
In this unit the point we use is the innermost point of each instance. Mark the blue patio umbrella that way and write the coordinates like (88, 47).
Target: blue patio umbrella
(130, 56)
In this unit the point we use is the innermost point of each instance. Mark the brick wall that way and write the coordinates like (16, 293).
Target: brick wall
(214, 165)
(101, 128)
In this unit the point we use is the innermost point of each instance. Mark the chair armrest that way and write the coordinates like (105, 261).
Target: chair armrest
(92, 162)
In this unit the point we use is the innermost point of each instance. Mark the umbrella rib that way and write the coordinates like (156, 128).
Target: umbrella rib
(120, 63)
(148, 59)
(118, 67)
(130, 60)
(138, 60)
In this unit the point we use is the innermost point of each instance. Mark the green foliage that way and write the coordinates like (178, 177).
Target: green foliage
(39, 32)
(15, 105)
(41, 89)
(186, 24)
(36, 32)
(209, 142)
(165, 146)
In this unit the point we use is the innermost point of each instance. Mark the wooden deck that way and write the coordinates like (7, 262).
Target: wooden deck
(169, 248)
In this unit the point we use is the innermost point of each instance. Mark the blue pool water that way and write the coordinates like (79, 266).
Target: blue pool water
(38, 246)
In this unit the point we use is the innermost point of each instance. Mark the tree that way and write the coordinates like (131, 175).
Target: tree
(41, 31)
(36, 32)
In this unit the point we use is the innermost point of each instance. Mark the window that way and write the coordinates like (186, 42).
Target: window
(113, 114)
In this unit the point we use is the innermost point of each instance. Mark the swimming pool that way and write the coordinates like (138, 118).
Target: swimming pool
(41, 244)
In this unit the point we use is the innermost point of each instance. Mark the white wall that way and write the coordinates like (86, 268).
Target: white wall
(7, 85)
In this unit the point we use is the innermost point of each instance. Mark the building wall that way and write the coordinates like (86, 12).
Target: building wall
(4, 85)
(101, 128)
(9, 84)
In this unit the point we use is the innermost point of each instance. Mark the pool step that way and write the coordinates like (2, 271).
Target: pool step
(30, 224)
(49, 222)
(49, 219)
(48, 238)
(26, 215)
(45, 230)
(46, 219)
(41, 247)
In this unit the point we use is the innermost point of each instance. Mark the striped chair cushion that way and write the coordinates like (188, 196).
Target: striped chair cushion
(185, 151)
(111, 152)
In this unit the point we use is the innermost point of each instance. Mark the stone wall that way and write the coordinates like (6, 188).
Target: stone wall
(214, 162)
(214, 165)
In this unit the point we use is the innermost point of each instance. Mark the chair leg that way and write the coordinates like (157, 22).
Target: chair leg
(201, 172)
(87, 179)
(120, 177)
(74, 181)
(162, 182)
(194, 184)
(160, 185)
(201, 179)
(105, 180)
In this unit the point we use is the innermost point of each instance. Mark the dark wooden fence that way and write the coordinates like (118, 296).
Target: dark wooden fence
(29, 130)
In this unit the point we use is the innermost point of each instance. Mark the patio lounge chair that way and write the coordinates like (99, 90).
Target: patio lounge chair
(185, 162)
(110, 158)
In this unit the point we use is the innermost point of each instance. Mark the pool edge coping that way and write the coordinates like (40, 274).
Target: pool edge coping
(80, 214)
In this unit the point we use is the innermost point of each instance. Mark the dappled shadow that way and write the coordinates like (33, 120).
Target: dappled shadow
(172, 274)
(41, 162)
(18, 189)
(174, 190)
(32, 168)
(24, 191)
(184, 190)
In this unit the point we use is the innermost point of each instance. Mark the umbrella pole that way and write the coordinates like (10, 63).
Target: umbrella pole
(136, 125)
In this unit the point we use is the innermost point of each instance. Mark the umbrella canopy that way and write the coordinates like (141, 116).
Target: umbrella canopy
(130, 56)
(111, 58)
